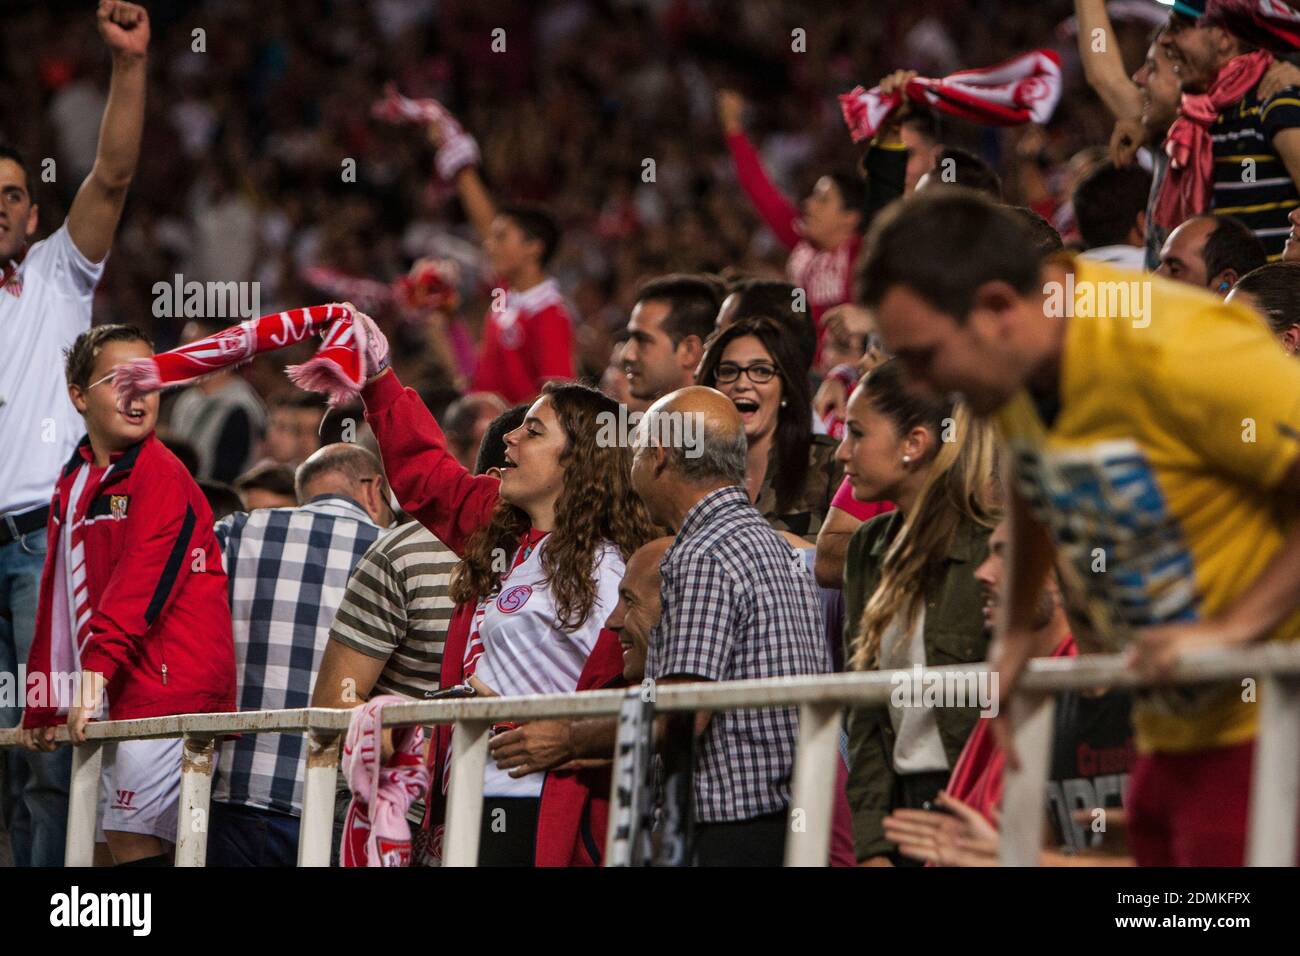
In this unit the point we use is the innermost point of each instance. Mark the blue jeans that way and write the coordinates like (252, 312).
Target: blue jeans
(34, 797)
(250, 836)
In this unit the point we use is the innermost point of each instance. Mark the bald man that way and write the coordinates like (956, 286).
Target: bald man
(738, 603)
(1212, 252)
(288, 571)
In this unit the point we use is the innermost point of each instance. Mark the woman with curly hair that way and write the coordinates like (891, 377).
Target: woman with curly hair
(542, 553)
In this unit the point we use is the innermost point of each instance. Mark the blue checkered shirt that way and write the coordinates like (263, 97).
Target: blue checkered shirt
(288, 570)
(738, 603)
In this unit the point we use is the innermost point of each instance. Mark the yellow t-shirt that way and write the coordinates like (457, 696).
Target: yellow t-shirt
(1178, 416)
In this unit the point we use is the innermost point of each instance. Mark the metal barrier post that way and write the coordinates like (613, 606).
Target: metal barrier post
(316, 832)
(808, 839)
(469, 740)
(83, 804)
(1275, 777)
(196, 792)
(1023, 804)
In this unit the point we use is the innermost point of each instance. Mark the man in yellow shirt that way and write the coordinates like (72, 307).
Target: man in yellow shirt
(1154, 447)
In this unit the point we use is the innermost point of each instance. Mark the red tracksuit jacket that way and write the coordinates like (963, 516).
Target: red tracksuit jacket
(160, 628)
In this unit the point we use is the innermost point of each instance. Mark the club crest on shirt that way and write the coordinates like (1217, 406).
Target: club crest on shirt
(512, 599)
(117, 506)
(509, 332)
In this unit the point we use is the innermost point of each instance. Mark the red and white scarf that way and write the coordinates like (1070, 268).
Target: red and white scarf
(1272, 24)
(338, 369)
(376, 832)
(1023, 89)
(432, 287)
(458, 150)
(1188, 186)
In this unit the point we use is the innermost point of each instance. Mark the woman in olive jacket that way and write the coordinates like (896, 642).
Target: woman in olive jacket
(909, 588)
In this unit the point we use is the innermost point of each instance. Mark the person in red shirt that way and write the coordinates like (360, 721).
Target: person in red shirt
(132, 601)
(527, 337)
(824, 234)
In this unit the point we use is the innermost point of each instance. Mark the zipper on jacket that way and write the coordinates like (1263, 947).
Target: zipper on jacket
(164, 675)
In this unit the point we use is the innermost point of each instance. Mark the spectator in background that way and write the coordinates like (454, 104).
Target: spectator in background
(737, 604)
(221, 498)
(1263, 129)
(790, 474)
(670, 321)
(960, 167)
(466, 421)
(824, 236)
(613, 381)
(288, 570)
(1273, 290)
(909, 593)
(527, 337)
(293, 428)
(1110, 210)
(47, 290)
(1212, 252)
(1041, 233)
(775, 299)
(268, 485)
(1143, 106)
(1092, 750)
(220, 415)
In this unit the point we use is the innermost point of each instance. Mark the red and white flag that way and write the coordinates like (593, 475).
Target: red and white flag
(1024, 89)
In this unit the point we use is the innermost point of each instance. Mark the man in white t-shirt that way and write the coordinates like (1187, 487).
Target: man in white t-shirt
(46, 291)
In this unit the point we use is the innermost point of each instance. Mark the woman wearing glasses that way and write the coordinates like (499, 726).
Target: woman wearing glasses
(792, 473)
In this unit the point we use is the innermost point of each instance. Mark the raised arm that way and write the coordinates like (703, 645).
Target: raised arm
(98, 206)
(473, 192)
(428, 480)
(777, 211)
(1102, 64)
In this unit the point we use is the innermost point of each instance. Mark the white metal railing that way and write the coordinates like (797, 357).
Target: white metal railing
(1275, 783)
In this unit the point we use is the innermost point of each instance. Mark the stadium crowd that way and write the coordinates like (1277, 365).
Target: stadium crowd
(961, 392)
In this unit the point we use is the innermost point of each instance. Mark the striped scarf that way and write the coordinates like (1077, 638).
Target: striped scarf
(1023, 89)
(338, 369)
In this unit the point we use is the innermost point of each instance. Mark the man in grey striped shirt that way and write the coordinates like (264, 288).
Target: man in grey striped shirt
(388, 634)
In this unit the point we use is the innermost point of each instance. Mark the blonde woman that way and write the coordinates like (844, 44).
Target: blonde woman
(909, 591)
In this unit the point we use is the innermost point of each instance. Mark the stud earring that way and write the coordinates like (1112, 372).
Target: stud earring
(907, 459)
(784, 403)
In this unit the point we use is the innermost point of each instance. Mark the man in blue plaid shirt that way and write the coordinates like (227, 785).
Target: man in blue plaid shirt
(738, 603)
(288, 569)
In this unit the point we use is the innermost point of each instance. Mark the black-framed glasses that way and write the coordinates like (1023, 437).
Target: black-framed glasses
(760, 373)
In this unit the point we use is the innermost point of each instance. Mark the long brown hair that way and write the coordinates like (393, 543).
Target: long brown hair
(596, 504)
(959, 487)
(793, 435)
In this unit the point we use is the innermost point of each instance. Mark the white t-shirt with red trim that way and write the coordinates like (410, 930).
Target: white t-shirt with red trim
(525, 651)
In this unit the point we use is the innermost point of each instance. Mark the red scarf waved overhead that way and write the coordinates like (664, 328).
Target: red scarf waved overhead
(337, 369)
(1023, 89)
(1188, 187)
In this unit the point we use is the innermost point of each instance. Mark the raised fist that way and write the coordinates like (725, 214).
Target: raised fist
(124, 27)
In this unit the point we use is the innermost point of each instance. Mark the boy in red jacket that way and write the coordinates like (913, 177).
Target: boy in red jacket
(132, 604)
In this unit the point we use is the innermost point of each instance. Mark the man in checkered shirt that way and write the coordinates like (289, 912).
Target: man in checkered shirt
(288, 570)
(738, 603)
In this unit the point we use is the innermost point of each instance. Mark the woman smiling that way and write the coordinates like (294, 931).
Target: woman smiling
(542, 554)
(791, 474)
